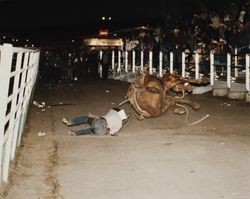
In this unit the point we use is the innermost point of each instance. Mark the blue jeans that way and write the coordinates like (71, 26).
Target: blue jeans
(96, 125)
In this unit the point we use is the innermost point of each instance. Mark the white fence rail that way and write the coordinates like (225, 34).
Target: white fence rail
(18, 73)
(155, 64)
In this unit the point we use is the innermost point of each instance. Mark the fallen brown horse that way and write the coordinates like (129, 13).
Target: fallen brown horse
(150, 97)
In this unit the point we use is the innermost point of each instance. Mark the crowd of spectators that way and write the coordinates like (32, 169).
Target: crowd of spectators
(221, 31)
(67, 63)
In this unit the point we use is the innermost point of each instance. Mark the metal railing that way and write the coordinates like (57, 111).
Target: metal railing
(18, 74)
(154, 64)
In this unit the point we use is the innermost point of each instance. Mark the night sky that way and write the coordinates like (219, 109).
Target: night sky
(44, 17)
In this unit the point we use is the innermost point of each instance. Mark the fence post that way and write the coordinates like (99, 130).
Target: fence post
(133, 61)
(142, 57)
(150, 62)
(248, 73)
(119, 62)
(126, 61)
(197, 60)
(211, 68)
(183, 65)
(13, 122)
(5, 70)
(171, 62)
(113, 60)
(228, 70)
(236, 74)
(160, 64)
(16, 127)
(22, 94)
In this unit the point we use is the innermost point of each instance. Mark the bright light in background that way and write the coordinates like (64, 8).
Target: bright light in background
(106, 18)
(27, 39)
(32, 45)
(13, 39)
(73, 40)
(4, 37)
(16, 40)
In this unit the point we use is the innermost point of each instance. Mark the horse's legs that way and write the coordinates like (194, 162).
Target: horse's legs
(194, 105)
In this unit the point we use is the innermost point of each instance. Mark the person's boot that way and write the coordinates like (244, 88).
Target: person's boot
(66, 121)
(72, 132)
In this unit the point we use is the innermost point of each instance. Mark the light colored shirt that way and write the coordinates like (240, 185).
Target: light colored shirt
(114, 120)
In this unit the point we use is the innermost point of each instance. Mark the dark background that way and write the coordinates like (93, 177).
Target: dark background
(44, 19)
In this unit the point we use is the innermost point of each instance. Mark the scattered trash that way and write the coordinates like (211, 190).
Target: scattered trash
(35, 103)
(43, 105)
(107, 91)
(225, 104)
(113, 103)
(39, 105)
(40, 133)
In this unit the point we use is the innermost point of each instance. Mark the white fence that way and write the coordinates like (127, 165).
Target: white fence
(18, 73)
(230, 66)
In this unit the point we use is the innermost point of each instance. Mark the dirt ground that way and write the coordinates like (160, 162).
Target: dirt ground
(150, 159)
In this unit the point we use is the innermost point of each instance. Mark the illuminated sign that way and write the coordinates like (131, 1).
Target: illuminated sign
(103, 32)
(103, 42)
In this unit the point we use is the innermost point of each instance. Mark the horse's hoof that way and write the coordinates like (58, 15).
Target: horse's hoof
(196, 106)
(140, 117)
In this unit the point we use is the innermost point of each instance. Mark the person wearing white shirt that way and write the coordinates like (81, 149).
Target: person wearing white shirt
(111, 123)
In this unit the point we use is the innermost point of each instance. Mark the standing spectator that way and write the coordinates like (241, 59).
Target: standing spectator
(106, 62)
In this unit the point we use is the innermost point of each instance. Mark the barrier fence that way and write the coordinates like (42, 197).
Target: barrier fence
(211, 65)
(18, 74)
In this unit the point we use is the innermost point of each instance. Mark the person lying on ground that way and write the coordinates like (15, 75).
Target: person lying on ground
(110, 123)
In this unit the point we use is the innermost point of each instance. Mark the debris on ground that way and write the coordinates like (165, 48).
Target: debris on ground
(39, 105)
(41, 133)
(226, 104)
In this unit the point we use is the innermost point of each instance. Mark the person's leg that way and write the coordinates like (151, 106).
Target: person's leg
(76, 121)
(87, 131)
(79, 120)
(99, 126)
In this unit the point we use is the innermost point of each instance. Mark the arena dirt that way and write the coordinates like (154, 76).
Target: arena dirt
(154, 158)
